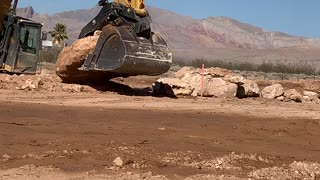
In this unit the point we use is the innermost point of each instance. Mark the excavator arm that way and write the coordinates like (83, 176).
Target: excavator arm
(4, 10)
(127, 46)
(137, 5)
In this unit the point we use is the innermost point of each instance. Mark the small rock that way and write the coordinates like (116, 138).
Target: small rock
(311, 94)
(237, 79)
(44, 72)
(171, 87)
(248, 89)
(77, 88)
(30, 84)
(111, 168)
(118, 162)
(38, 82)
(294, 95)
(307, 99)
(9, 78)
(273, 91)
(281, 98)
(6, 157)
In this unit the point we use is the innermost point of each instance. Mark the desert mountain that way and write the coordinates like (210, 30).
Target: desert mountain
(211, 38)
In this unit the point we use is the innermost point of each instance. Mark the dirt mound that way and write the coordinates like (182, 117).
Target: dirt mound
(31, 172)
(44, 82)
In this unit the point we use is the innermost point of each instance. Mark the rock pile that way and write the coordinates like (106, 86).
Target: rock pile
(276, 91)
(42, 82)
(30, 84)
(217, 82)
(220, 82)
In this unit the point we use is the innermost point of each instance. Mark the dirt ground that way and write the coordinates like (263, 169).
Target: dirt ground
(62, 134)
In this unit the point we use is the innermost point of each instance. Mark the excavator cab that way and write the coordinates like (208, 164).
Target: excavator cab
(20, 45)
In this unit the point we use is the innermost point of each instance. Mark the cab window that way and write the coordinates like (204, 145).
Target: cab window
(29, 39)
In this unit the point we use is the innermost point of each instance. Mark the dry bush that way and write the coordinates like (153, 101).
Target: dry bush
(266, 67)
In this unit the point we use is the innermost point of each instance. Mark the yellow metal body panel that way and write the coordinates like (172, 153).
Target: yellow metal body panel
(7, 68)
(138, 6)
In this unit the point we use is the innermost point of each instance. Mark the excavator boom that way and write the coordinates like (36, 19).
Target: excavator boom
(138, 6)
(4, 10)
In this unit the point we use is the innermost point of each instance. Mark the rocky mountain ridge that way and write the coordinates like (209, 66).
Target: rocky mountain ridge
(218, 31)
(228, 37)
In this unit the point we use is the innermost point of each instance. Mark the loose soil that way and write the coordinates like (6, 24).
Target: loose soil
(77, 135)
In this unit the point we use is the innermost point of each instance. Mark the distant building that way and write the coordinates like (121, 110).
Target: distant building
(47, 44)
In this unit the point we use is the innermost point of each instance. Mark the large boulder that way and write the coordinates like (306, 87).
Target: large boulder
(293, 95)
(182, 72)
(273, 91)
(172, 87)
(193, 79)
(216, 87)
(249, 88)
(71, 58)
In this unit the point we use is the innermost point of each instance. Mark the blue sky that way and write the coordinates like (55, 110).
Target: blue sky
(296, 17)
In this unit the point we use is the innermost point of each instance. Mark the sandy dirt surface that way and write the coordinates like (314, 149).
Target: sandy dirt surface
(62, 134)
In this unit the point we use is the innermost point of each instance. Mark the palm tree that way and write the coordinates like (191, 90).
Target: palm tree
(59, 34)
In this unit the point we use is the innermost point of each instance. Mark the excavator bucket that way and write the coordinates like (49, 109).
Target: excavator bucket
(126, 46)
(120, 53)
(4, 9)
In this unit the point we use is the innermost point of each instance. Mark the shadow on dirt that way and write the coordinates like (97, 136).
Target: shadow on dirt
(123, 89)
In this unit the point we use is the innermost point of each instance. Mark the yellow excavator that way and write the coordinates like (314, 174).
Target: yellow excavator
(20, 41)
(126, 46)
